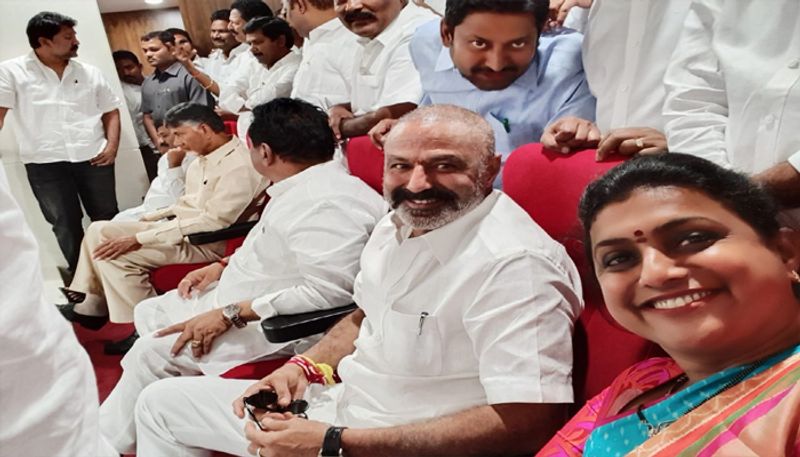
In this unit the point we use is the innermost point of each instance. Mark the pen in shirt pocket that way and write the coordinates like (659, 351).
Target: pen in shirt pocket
(503, 120)
(422, 316)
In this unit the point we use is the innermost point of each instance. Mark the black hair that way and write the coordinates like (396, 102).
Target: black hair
(457, 10)
(46, 25)
(195, 113)
(272, 28)
(295, 130)
(323, 5)
(250, 9)
(165, 36)
(221, 15)
(124, 54)
(177, 31)
(734, 191)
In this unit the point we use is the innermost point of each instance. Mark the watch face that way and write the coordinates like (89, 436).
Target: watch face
(231, 311)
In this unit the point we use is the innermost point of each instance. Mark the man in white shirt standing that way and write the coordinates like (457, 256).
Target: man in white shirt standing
(625, 46)
(326, 71)
(68, 127)
(243, 63)
(461, 345)
(223, 40)
(733, 92)
(301, 256)
(47, 387)
(385, 83)
(129, 70)
(271, 41)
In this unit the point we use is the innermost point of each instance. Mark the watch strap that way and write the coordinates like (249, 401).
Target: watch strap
(332, 444)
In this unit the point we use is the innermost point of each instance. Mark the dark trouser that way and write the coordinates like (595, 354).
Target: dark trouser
(61, 187)
(150, 159)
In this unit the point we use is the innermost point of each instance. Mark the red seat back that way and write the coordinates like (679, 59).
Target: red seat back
(231, 128)
(548, 185)
(366, 162)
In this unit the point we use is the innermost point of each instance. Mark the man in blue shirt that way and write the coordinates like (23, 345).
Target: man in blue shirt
(488, 56)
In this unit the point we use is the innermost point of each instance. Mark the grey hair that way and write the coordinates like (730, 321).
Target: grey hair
(480, 132)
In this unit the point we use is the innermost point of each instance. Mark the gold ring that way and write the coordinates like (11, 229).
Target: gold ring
(196, 343)
(639, 143)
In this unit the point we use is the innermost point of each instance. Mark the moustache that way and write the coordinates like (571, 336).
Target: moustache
(359, 16)
(511, 70)
(401, 194)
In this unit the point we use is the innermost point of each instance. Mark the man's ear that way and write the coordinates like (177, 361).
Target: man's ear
(446, 34)
(302, 7)
(787, 242)
(494, 165)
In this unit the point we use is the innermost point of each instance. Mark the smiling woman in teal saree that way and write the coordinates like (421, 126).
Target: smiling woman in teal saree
(690, 256)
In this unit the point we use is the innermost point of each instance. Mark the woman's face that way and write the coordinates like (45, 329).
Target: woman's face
(679, 269)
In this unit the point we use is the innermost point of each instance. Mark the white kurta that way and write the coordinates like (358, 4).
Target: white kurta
(384, 73)
(625, 54)
(501, 298)
(48, 394)
(477, 312)
(733, 85)
(326, 70)
(165, 190)
(262, 87)
(303, 255)
(58, 120)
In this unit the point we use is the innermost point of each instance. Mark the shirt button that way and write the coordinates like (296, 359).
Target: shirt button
(625, 88)
(769, 119)
(794, 64)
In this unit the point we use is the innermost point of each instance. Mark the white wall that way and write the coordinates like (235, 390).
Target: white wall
(94, 49)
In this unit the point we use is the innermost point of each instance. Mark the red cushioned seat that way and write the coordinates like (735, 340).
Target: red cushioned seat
(167, 277)
(548, 185)
(366, 161)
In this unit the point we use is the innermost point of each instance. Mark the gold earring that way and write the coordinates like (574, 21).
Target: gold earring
(795, 277)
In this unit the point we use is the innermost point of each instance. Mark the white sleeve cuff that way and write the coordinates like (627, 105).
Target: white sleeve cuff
(504, 390)
(794, 160)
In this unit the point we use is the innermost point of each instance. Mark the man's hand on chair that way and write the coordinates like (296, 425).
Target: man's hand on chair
(199, 331)
(111, 249)
(199, 279)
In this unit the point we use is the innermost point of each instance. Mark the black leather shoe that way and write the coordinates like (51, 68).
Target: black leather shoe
(120, 347)
(90, 322)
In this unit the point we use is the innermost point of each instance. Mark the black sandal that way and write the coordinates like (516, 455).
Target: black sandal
(72, 296)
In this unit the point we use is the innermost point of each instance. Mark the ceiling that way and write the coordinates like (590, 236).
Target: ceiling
(114, 6)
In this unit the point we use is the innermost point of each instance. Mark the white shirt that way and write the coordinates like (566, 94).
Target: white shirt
(133, 98)
(478, 312)
(261, 86)
(733, 85)
(303, 255)
(216, 64)
(165, 190)
(57, 120)
(47, 386)
(384, 73)
(625, 54)
(326, 70)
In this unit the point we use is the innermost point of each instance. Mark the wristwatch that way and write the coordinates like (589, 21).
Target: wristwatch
(332, 444)
(231, 314)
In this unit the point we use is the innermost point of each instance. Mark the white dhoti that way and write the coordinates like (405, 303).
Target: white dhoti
(191, 417)
(150, 360)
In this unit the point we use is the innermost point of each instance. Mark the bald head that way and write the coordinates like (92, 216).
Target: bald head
(451, 124)
(440, 163)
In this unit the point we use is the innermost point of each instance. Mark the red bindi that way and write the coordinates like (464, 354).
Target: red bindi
(638, 233)
(640, 236)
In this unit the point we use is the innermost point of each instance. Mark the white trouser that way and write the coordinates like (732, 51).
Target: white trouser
(150, 360)
(182, 417)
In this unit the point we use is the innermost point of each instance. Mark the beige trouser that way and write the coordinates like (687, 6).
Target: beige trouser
(125, 281)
